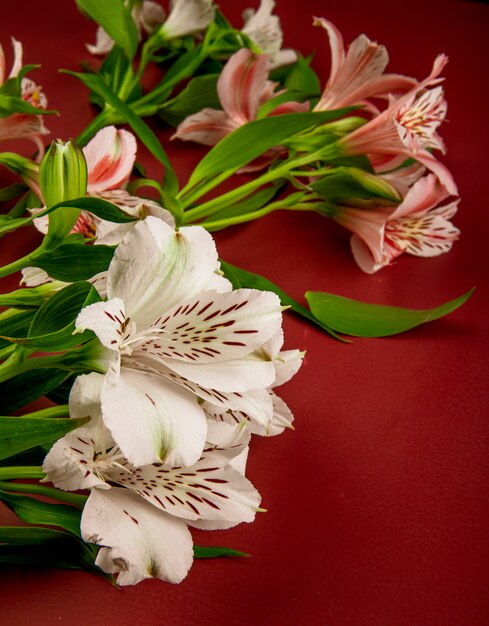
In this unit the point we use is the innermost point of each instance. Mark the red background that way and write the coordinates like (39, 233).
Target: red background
(377, 502)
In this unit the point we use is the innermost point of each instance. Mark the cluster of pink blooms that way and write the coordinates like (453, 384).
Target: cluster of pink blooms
(23, 125)
(405, 129)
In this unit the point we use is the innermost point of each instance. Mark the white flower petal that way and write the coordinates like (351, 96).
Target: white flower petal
(155, 268)
(209, 489)
(141, 541)
(85, 395)
(287, 364)
(153, 420)
(216, 327)
(228, 376)
(69, 463)
(107, 320)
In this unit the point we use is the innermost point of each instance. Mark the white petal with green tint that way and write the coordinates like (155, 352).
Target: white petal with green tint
(141, 541)
(155, 268)
(151, 419)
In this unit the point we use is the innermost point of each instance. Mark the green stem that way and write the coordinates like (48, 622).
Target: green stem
(49, 492)
(18, 265)
(102, 119)
(61, 410)
(6, 352)
(9, 370)
(254, 215)
(9, 473)
(229, 198)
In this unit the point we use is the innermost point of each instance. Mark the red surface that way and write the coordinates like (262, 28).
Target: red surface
(378, 502)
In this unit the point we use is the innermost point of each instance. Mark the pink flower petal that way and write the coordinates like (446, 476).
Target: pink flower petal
(110, 158)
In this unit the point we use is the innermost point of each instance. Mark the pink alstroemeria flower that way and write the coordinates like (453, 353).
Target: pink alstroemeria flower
(22, 125)
(357, 74)
(243, 87)
(417, 226)
(407, 128)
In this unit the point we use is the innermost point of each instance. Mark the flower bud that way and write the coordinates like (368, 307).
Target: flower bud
(62, 176)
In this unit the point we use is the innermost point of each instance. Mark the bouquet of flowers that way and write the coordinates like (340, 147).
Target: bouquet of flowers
(156, 360)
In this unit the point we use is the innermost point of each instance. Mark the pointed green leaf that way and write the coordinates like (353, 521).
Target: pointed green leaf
(53, 326)
(303, 78)
(45, 547)
(142, 130)
(362, 319)
(210, 552)
(200, 93)
(24, 388)
(254, 138)
(74, 262)
(22, 433)
(242, 278)
(62, 308)
(34, 511)
(115, 18)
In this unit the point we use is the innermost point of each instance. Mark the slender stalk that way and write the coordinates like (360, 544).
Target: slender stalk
(231, 197)
(49, 492)
(17, 265)
(6, 352)
(9, 370)
(9, 473)
(102, 119)
(60, 410)
(254, 215)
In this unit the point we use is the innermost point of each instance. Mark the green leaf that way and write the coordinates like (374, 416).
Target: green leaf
(24, 388)
(303, 78)
(22, 433)
(361, 319)
(54, 323)
(61, 309)
(34, 511)
(242, 278)
(74, 262)
(115, 18)
(12, 104)
(142, 130)
(45, 547)
(11, 191)
(253, 139)
(61, 393)
(184, 66)
(281, 98)
(101, 208)
(209, 552)
(200, 93)
(248, 205)
(14, 323)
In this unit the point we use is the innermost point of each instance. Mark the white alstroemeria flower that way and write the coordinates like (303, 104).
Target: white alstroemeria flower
(287, 364)
(187, 17)
(264, 29)
(154, 501)
(176, 331)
